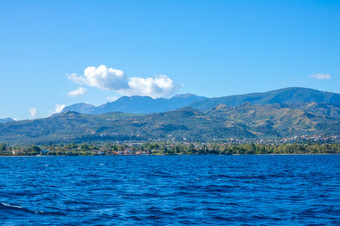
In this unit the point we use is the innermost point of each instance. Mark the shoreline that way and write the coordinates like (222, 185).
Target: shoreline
(44, 156)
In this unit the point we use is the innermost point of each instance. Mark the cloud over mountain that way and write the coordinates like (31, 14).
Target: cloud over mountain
(57, 109)
(33, 112)
(114, 79)
(160, 86)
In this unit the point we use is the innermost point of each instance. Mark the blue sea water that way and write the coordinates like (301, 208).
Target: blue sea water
(161, 190)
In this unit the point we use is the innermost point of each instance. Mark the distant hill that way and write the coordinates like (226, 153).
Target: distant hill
(64, 127)
(328, 110)
(183, 124)
(277, 120)
(281, 96)
(137, 105)
(221, 122)
(275, 114)
(4, 120)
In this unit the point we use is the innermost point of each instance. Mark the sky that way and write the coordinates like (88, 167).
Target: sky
(57, 53)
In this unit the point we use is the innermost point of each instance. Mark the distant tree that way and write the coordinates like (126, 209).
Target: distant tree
(85, 147)
(3, 147)
(34, 150)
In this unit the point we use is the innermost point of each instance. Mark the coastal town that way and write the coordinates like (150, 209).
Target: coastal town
(293, 145)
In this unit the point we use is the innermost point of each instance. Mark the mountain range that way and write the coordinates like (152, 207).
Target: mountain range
(146, 105)
(275, 114)
(137, 105)
(281, 96)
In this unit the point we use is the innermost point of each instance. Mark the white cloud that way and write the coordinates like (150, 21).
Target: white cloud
(57, 109)
(112, 98)
(33, 112)
(160, 86)
(101, 77)
(115, 79)
(77, 92)
(320, 76)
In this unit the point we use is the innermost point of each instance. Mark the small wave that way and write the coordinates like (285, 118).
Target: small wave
(16, 209)
(222, 176)
(10, 206)
(217, 188)
(221, 218)
(232, 204)
(182, 208)
(251, 177)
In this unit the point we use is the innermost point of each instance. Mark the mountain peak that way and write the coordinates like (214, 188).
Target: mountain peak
(66, 113)
(81, 108)
(131, 98)
(185, 95)
(4, 120)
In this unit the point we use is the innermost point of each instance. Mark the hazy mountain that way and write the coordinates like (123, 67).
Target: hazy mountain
(81, 108)
(137, 104)
(4, 120)
(145, 105)
(281, 96)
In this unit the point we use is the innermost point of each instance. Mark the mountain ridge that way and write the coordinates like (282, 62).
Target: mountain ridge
(222, 122)
(137, 104)
(146, 105)
(281, 96)
(290, 112)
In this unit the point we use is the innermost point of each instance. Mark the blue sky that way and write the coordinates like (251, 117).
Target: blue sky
(161, 48)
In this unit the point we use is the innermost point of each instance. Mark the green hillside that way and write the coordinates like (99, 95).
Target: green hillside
(277, 120)
(218, 123)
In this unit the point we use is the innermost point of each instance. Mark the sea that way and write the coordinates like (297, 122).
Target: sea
(171, 190)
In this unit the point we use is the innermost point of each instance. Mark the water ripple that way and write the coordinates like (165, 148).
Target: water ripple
(167, 190)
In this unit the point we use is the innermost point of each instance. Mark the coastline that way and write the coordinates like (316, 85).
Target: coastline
(44, 156)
